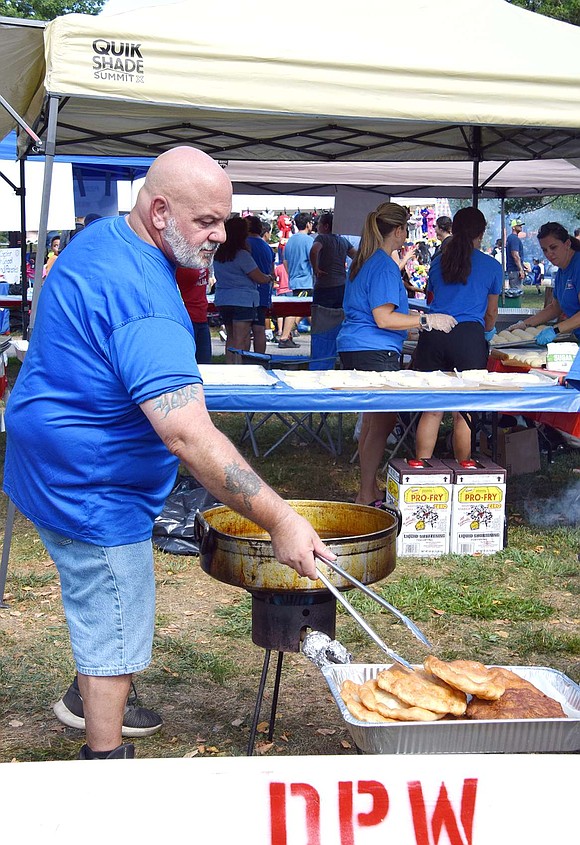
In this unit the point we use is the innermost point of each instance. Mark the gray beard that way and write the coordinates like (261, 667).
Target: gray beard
(186, 255)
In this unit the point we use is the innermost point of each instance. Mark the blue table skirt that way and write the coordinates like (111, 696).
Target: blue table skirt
(283, 399)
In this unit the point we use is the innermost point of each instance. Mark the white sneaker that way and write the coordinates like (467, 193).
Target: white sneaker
(223, 335)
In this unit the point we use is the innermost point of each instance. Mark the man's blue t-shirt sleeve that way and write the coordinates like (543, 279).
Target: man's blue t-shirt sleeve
(152, 356)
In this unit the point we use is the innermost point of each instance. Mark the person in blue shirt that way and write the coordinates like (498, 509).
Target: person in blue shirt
(264, 258)
(514, 258)
(563, 251)
(466, 284)
(376, 322)
(237, 279)
(299, 269)
(108, 402)
(537, 275)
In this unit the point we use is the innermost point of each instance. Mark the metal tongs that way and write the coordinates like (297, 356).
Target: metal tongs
(364, 625)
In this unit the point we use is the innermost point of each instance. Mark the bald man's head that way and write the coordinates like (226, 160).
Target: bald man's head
(183, 205)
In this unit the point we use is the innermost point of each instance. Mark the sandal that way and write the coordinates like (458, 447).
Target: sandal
(378, 503)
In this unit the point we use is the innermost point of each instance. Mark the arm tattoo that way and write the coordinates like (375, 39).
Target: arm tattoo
(243, 482)
(169, 401)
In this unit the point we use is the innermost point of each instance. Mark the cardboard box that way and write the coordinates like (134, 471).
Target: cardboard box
(422, 492)
(478, 506)
(518, 449)
(560, 356)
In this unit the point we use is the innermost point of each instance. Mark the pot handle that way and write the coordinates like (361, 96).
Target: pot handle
(396, 513)
(202, 533)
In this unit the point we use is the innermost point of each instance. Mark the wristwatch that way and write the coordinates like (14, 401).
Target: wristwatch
(556, 329)
(423, 324)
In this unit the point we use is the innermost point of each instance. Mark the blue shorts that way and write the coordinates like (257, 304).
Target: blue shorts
(237, 314)
(108, 593)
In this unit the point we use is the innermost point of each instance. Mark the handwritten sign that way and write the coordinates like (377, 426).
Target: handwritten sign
(10, 265)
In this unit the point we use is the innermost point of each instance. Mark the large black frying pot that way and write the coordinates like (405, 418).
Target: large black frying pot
(235, 550)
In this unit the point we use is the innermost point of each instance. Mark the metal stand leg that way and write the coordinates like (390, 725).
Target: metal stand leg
(258, 706)
(10, 512)
(275, 695)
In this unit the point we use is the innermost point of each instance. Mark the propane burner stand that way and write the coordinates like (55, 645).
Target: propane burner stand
(280, 620)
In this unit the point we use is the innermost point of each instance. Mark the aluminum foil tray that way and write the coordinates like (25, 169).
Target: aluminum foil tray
(463, 736)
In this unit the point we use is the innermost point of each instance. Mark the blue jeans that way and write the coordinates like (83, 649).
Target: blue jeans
(108, 593)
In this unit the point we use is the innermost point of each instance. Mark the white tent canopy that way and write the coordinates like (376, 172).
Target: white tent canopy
(545, 177)
(343, 84)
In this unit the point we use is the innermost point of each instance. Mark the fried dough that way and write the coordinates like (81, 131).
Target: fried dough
(510, 680)
(388, 705)
(420, 689)
(349, 693)
(468, 676)
(516, 703)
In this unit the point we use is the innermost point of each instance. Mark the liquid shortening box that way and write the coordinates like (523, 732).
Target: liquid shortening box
(421, 489)
(478, 509)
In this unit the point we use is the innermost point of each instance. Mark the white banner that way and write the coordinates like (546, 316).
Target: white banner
(350, 800)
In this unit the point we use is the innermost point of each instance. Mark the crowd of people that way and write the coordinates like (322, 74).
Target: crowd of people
(110, 397)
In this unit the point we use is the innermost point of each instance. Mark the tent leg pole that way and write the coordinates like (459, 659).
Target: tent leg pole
(10, 513)
(45, 204)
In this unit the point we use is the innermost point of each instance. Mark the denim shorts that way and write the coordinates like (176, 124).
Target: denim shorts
(108, 593)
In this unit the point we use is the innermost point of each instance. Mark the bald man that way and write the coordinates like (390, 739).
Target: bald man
(108, 402)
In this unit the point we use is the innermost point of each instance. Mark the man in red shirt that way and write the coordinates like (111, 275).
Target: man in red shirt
(192, 285)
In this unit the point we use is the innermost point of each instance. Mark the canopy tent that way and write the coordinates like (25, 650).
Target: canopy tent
(335, 87)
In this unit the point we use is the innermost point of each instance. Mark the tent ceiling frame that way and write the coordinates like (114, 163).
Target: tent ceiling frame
(330, 142)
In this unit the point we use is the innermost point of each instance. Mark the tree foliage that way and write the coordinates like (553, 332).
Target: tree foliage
(562, 10)
(46, 10)
(569, 204)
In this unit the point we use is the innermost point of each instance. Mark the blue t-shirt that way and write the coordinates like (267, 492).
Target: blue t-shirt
(513, 244)
(297, 254)
(233, 285)
(263, 256)
(377, 283)
(467, 303)
(567, 288)
(111, 332)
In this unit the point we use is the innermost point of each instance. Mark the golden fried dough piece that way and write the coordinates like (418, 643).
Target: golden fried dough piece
(518, 703)
(468, 676)
(349, 692)
(349, 688)
(377, 699)
(510, 680)
(421, 689)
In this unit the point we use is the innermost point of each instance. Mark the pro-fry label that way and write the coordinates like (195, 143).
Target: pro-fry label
(475, 495)
(424, 495)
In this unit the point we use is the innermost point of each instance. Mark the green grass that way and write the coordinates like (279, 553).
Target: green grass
(419, 598)
(178, 660)
(237, 618)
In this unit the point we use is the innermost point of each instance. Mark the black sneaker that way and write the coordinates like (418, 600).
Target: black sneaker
(288, 344)
(121, 752)
(137, 721)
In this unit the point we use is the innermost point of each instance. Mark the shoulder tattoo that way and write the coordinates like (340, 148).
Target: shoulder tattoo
(243, 482)
(178, 399)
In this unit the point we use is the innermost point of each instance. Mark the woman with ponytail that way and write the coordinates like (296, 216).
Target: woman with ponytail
(465, 283)
(376, 323)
